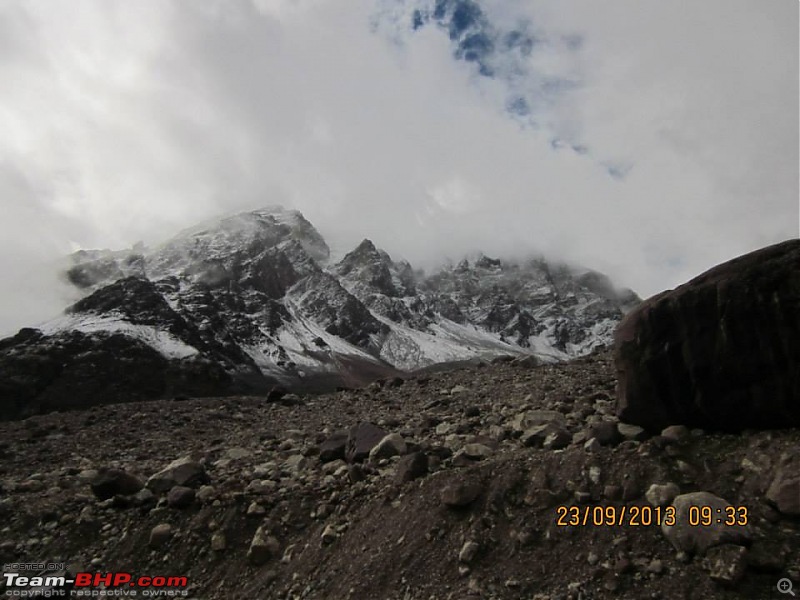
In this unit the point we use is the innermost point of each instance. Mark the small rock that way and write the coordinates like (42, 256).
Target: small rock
(391, 445)
(532, 418)
(632, 432)
(675, 433)
(784, 491)
(468, 552)
(329, 534)
(476, 451)
(412, 467)
(443, 428)
(655, 566)
(698, 538)
(206, 494)
(592, 446)
(766, 556)
(295, 463)
(605, 432)
(726, 564)
(526, 362)
(662, 495)
(460, 494)
(458, 389)
(218, 542)
(612, 492)
(237, 453)
(256, 510)
(184, 471)
(108, 483)
(361, 440)
(262, 547)
(180, 497)
(160, 535)
(355, 473)
(145, 498)
(534, 437)
(334, 447)
(557, 439)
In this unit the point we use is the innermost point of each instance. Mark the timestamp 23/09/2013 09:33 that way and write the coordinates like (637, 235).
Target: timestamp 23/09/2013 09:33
(645, 516)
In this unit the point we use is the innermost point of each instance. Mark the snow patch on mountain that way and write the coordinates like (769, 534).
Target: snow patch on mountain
(165, 343)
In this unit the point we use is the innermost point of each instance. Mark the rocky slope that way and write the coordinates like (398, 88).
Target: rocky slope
(248, 302)
(445, 485)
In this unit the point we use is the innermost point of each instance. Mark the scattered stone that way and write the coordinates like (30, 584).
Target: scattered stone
(145, 498)
(295, 463)
(632, 432)
(263, 547)
(784, 492)
(655, 566)
(334, 447)
(108, 483)
(391, 445)
(662, 495)
(605, 432)
(184, 471)
(468, 552)
(461, 493)
(329, 534)
(412, 467)
(592, 446)
(355, 473)
(361, 440)
(206, 494)
(180, 497)
(476, 451)
(526, 362)
(766, 556)
(256, 510)
(160, 535)
(532, 418)
(551, 436)
(557, 439)
(218, 542)
(696, 538)
(726, 564)
(675, 433)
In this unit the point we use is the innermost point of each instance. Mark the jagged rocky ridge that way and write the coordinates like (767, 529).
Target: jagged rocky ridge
(248, 302)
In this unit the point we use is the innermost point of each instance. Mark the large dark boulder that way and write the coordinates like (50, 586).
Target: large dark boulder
(720, 352)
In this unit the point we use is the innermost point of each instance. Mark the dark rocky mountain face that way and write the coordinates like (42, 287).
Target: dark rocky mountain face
(255, 300)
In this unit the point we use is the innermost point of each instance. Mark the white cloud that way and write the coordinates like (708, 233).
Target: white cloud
(127, 121)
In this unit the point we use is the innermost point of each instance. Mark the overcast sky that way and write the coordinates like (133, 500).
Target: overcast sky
(646, 139)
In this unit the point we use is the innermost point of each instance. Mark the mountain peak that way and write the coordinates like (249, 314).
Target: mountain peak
(249, 300)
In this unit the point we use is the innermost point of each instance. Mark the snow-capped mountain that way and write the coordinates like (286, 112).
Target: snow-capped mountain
(244, 303)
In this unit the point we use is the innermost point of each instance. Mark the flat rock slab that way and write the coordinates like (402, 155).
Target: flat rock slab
(719, 352)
